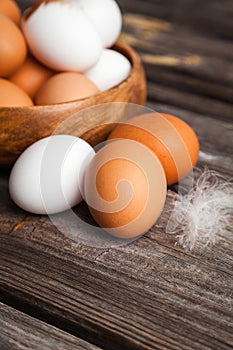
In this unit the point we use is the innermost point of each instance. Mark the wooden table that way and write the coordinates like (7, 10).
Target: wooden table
(150, 294)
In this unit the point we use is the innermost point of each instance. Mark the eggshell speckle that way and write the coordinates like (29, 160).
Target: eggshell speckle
(111, 69)
(64, 87)
(125, 188)
(170, 138)
(47, 176)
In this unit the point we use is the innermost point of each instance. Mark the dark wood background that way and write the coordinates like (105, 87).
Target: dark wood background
(150, 294)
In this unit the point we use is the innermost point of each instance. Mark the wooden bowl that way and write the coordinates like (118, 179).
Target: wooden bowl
(22, 126)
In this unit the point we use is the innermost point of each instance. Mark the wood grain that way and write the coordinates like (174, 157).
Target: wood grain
(169, 35)
(21, 332)
(146, 294)
(211, 17)
(189, 101)
(184, 68)
(150, 294)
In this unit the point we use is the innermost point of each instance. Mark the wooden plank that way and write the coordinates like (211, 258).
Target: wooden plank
(183, 69)
(146, 294)
(149, 294)
(181, 56)
(158, 93)
(148, 30)
(21, 332)
(212, 16)
(163, 75)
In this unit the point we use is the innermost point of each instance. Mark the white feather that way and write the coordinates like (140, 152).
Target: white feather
(204, 213)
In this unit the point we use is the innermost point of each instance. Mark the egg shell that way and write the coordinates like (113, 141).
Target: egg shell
(111, 69)
(13, 96)
(10, 9)
(170, 138)
(106, 17)
(64, 87)
(60, 35)
(125, 188)
(31, 75)
(47, 176)
(13, 48)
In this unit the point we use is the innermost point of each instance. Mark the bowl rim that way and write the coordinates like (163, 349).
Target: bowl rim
(120, 47)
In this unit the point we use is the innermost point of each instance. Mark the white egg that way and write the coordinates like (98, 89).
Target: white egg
(111, 69)
(61, 36)
(48, 176)
(106, 17)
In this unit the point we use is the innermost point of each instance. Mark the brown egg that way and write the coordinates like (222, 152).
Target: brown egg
(31, 76)
(10, 9)
(13, 48)
(125, 188)
(11, 95)
(170, 138)
(64, 87)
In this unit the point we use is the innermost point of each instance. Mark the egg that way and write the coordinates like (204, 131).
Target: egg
(10, 9)
(13, 96)
(61, 36)
(31, 75)
(106, 17)
(172, 140)
(125, 188)
(64, 87)
(47, 176)
(13, 48)
(111, 69)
